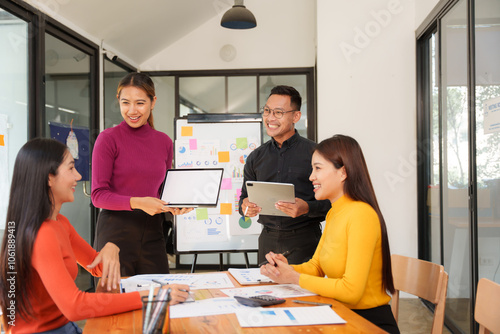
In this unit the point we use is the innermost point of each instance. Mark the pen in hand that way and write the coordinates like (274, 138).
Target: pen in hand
(285, 254)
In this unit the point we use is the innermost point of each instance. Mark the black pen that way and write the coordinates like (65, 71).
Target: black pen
(311, 303)
(285, 254)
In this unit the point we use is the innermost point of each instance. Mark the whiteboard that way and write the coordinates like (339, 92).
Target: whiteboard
(217, 141)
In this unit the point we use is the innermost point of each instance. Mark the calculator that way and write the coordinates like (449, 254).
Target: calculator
(257, 301)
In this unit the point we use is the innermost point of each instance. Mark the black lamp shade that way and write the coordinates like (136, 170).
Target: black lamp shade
(238, 17)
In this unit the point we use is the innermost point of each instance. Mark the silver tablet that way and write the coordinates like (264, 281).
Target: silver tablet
(266, 194)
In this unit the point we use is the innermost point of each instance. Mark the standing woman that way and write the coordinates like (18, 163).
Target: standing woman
(353, 252)
(129, 163)
(41, 249)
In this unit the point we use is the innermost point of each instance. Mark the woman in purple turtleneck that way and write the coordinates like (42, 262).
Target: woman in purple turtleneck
(128, 167)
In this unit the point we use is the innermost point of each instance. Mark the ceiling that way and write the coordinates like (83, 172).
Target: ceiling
(139, 30)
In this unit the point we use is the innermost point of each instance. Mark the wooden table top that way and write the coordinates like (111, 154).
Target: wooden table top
(131, 322)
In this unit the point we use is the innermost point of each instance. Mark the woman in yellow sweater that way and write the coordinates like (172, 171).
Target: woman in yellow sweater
(352, 261)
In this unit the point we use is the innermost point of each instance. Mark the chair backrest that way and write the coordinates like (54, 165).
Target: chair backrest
(424, 279)
(487, 306)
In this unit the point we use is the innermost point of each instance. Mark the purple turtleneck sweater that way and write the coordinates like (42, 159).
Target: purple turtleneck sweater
(129, 162)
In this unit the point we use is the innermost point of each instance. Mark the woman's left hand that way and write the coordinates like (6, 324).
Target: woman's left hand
(177, 211)
(110, 265)
(281, 273)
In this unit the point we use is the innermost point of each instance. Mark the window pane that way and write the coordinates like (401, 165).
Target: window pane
(455, 145)
(14, 100)
(487, 32)
(67, 107)
(299, 82)
(242, 94)
(433, 200)
(202, 94)
(164, 111)
(112, 76)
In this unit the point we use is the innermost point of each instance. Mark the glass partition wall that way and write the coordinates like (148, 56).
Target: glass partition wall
(13, 100)
(459, 142)
(67, 118)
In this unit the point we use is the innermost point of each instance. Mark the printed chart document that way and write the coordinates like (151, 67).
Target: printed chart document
(249, 276)
(195, 281)
(280, 291)
(288, 316)
(206, 307)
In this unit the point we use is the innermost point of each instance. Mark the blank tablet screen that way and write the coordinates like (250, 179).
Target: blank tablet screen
(192, 187)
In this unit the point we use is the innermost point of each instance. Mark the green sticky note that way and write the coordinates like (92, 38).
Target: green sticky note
(242, 143)
(201, 214)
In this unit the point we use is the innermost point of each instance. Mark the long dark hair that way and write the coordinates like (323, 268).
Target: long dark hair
(344, 151)
(141, 81)
(30, 203)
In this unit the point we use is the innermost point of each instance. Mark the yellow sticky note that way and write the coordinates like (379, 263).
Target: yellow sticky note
(2, 142)
(226, 209)
(201, 214)
(186, 131)
(224, 156)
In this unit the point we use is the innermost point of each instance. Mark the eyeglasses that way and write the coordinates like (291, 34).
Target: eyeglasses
(277, 112)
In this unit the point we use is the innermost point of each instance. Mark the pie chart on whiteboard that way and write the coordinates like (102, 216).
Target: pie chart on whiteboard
(245, 222)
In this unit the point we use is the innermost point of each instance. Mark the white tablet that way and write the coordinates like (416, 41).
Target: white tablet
(192, 187)
(266, 194)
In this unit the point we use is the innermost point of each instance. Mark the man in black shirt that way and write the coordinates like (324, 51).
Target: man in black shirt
(286, 158)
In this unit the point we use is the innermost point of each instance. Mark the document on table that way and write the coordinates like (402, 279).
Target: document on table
(288, 316)
(195, 281)
(281, 291)
(249, 276)
(205, 307)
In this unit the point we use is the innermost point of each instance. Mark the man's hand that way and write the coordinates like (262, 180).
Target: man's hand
(299, 208)
(250, 209)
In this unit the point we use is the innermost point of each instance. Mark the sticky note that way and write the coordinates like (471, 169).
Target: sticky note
(201, 214)
(2, 141)
(227, 184)
(238, 193)
(242, 143)
(226, 209)
(224, 156)
(186, 131)
(193, 144)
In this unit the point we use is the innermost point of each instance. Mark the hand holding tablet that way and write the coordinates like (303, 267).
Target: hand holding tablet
(266, 194)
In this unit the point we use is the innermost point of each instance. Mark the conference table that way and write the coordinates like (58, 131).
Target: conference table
(131, 322)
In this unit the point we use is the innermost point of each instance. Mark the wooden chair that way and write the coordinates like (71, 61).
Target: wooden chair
(424, 279)
(487, 306)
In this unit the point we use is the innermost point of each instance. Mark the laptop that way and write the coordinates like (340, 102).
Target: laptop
(265, 194)
(192, 187)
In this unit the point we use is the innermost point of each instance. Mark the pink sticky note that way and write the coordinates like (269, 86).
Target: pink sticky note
(193, 144)
(227, 184)
(238, 193)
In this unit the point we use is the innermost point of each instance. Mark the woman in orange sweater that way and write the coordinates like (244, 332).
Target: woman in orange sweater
(352, 261)
(41, 249)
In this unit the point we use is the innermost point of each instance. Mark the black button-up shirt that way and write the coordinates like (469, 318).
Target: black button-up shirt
(290, 163)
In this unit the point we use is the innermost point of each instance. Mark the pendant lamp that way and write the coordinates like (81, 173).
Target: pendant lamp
(238, 17)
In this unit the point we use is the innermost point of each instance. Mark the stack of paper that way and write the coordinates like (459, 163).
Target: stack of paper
(249, 276)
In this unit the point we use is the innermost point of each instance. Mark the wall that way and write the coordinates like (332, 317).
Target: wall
(366, 89)
(291, 43)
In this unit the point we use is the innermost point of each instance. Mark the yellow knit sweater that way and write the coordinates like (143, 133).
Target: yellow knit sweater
(349, 254)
